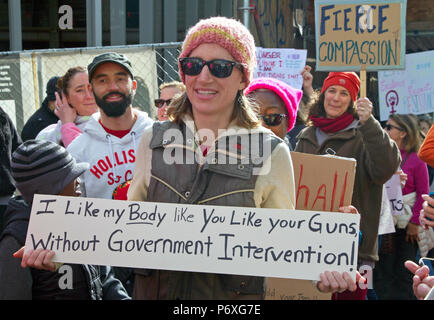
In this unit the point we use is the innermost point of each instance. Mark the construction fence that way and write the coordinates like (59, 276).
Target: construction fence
(24, 74)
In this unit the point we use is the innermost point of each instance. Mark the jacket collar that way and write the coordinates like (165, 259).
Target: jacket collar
(309, 134)
(234, 153)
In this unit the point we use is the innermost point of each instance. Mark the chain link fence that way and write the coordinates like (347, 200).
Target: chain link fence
(24, 74)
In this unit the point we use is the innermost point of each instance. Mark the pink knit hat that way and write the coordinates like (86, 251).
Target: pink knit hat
(230, 34)
(290, 96)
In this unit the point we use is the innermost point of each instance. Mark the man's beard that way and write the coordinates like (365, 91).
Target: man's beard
(114, 109)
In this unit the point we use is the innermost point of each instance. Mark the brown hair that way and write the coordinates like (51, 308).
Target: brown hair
(413, 138)
(243, 110)
(63, 82)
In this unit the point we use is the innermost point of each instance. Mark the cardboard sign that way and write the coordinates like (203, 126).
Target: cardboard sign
(410, 91)
(318, 189)
(281, 64)
(217, 239)
(323, 183)
(352, 34)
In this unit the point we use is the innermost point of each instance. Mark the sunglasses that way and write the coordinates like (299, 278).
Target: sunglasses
(389, 127)
(219, 68)
(273, 119)
(159, 103)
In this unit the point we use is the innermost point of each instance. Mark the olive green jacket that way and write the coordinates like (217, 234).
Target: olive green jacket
(203, 181)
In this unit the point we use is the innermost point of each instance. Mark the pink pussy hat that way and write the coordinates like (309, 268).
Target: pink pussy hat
(230, 34)
(290, 96)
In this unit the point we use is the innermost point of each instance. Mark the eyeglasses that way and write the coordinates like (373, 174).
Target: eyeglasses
(219, 68)
(389, 127)
(159, 103)
(273, 119)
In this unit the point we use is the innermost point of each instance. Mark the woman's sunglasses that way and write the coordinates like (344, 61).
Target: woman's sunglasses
(219, 68)
(159, 103)
(389, 127)
(273, 119)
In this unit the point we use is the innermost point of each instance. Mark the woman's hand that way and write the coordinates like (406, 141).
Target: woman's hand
(402, 177)
(307, 80)
(63, 110)
(412, 233)
(348, 209)
(422, 283)
(332, 282)
(426, 217)
(364, 109)
(38, 259)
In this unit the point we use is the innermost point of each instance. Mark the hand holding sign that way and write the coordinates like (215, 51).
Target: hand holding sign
(307, 79)
(402, 177)
(427, 213)
(364, 109)
(39, 259)
(330, 281)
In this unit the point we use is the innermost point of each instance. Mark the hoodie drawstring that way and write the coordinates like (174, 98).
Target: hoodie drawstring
(133, 135)
(109, 138)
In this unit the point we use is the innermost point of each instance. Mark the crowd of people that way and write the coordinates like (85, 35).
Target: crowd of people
(88, 140)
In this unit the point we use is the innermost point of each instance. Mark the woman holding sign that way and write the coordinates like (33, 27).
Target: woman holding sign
(392, 280)
(341, 124)
(195, 157)
(216, 65)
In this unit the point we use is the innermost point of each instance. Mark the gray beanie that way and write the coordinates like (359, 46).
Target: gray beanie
(43, 167)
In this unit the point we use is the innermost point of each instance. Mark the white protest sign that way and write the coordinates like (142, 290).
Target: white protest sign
(387, 224)
(216, 239)
(281, 64)
(394, 193)
(410, 90)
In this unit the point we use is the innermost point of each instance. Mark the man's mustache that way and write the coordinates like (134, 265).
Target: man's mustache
(113, 93)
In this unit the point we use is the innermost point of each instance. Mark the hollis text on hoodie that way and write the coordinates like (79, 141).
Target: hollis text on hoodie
(111, 159)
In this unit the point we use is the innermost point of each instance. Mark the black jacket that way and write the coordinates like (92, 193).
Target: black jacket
(89, 281)
(41, 119)
(9, 141)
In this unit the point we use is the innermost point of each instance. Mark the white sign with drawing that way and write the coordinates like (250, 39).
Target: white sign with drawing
(230, 240)
(410, 90)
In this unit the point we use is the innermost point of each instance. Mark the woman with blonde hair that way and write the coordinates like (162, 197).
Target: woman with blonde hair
(216, 65)
(168, 90)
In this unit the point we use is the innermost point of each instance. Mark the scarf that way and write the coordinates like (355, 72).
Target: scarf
(332, 125)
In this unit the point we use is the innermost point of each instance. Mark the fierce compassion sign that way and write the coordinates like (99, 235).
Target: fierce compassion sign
(217, 239)
(352, 34)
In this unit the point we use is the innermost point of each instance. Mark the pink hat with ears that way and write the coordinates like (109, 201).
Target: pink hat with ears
(290, 96)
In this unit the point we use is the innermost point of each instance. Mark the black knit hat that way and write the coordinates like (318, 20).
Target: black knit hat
(52, 88)
(43, 167)
(114, 57)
